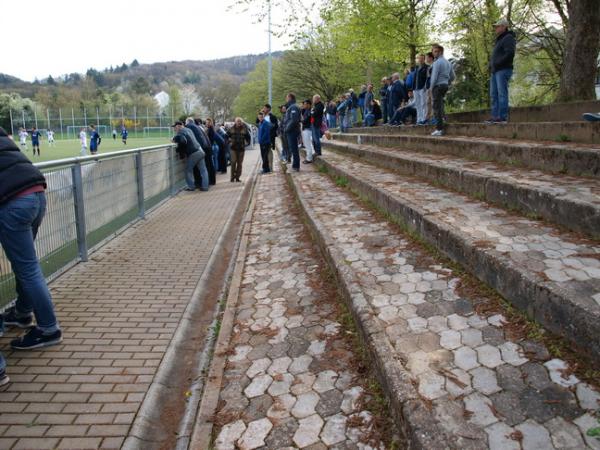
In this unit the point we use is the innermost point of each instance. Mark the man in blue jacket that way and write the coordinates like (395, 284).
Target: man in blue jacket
(292, 129)
(397, 95)
(264, 141)
(501, 69)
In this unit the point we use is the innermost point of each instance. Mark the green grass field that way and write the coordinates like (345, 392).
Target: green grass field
(69, 148)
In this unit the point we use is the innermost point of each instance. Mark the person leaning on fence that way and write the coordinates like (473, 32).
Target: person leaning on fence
(22, 208)
(204, 142)
(188, 147)
(239, 137)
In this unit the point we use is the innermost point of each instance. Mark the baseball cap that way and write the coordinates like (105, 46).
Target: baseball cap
(502, 23)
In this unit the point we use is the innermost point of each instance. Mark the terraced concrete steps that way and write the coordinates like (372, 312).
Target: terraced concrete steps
(552, 275)
(555, 158)
(557, 199)
(581, 132)
(452, 375)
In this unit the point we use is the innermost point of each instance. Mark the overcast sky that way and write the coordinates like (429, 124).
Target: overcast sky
(63, 36)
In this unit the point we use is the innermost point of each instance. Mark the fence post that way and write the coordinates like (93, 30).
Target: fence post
(79, 211)
(171, 155)
(139, 170)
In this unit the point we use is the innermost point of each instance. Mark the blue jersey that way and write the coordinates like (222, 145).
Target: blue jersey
(124, 134)
(35, 137)
(94, 140)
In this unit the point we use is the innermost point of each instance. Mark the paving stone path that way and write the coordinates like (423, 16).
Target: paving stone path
(118, 313)
(484, 389)
(290, 380)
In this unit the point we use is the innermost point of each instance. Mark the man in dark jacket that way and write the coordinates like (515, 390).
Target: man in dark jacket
(292, 129)
(264, 141)
(285, 152)
(501, 69)
(397, 95)
(317, 112)
(420, 89)
(204, 142)
(188, 147)
(272, 119)
(22, 208)
(383, 91)
(239, 138)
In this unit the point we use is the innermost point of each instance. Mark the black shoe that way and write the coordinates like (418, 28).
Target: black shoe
(238, 180)
(188, 189)
(306, 161)
(10, 318)
(4, 380)
(296, 169)
(35, 338)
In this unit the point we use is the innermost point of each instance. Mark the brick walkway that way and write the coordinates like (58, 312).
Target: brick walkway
(118, 312)
(291, 379)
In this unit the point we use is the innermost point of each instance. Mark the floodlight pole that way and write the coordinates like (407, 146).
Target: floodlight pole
(270, 59)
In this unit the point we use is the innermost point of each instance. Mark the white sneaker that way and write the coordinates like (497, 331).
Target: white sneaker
(437, 133)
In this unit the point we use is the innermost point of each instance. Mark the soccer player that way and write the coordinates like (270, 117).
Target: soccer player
(83, 140)
(35, 140)
(50, 134)
(114, 134)
(23, 138)
(124, 135)
(95, 140)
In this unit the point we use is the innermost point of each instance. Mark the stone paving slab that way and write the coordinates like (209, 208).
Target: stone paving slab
(552, 275)
(558, 158)
(291, 377)
(484, 390)
(532, 192)
(118, 312)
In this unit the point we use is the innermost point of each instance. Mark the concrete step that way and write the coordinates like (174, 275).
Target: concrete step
(553, 276)
(552, 132)
(451, 373)
(571, 202)
(554, 158)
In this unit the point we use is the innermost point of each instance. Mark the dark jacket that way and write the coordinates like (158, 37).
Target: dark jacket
(504, 52)
(369, 97)
(17, 173)
(200, 136)
(264, 132)
(274, 126)
(187, 143)
(398, 95)
(317, 114)
(331, 108)
(383, 92)
(420, 77)
(240, 137)
(292, 118)
(354, 99)
(306, 122)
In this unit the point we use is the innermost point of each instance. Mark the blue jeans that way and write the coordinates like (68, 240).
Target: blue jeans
(353, 117)
(331, 122)
(343, 127)
(499, 93)
(316, 137)
(196, 159)
(20, 220)
(292, 142)
(215, 157)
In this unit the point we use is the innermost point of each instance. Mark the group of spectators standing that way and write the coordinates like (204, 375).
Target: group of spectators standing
(419, 95)
(209, 148)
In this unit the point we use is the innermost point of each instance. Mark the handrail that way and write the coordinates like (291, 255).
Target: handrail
(81, 159)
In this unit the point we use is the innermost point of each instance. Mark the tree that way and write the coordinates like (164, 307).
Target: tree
(189, 99)
(141, 86)
(175, 102)
(580, 63)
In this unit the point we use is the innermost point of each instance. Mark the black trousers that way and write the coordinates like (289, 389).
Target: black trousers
(210, 167)
(265, 149)
(438, 93)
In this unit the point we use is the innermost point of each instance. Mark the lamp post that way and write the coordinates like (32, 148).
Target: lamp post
(270, 58)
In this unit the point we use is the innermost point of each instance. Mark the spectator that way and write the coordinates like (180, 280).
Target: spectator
(22, 209)
(429, 61)
(442, 76)
(331, 114)
(269, 116)
(264, 141)
(501, 68)
(225, 155)
(409, 79)
(317, 112)
(293, 118)
(368, 107)
(343, 110)
(286, 156)
(216, 150)
(403, 113)
(361, 101)
(383, 92)
(397, 94)
(307, 131)
(377, 114)
(420, 91)
(240, 138)
(352, 117)
(204, 141)
(188, 147)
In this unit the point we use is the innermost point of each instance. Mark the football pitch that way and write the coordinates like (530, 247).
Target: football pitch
(68, 148)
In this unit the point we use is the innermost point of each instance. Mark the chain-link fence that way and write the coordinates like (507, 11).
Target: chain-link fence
(92, 198)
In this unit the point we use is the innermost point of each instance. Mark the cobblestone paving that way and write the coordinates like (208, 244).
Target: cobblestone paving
(569, 263)
(289, 382)
(573, 189)
(489, 391)
(118, 313)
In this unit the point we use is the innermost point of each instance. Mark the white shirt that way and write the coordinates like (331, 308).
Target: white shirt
(83, 138)
(23, 136)
(50, 135)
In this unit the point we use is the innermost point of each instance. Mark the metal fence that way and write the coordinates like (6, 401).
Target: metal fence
(91, 198)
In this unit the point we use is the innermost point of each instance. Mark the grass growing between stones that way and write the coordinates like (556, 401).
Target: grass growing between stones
(488, 301)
